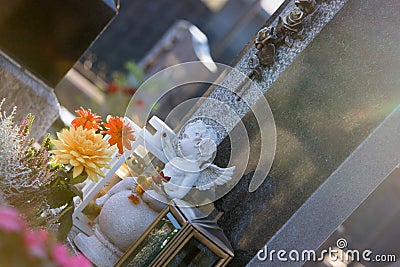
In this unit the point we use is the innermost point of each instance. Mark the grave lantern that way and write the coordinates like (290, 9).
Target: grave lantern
(180, 235)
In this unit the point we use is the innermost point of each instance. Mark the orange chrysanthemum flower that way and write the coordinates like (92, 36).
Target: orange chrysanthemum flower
(86, 119)
(121, 133)
(85, 150)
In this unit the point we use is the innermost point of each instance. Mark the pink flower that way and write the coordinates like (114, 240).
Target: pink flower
(36, 242)
(10, 221)
(60, 255)
(62, 258)
(80, 261)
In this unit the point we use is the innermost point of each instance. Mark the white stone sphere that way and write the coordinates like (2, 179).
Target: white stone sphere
(122, 221)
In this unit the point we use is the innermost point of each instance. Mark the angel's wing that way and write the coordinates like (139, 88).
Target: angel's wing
(167, 144)
(214, 175)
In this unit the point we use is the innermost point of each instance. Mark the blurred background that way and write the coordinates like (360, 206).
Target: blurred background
(148, 36)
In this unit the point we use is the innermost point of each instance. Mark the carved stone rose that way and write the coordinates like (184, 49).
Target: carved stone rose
(307, 6)
(292, 24)
(265, 44)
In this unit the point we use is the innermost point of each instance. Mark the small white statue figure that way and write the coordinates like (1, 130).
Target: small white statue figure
(121, 222)
(191, 163)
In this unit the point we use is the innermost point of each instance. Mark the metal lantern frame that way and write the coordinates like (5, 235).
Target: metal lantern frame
(193, 224)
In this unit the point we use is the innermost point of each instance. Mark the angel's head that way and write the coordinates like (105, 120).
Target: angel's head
(196, 142)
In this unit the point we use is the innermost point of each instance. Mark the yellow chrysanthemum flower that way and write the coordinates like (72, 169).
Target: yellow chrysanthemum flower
(84, 150)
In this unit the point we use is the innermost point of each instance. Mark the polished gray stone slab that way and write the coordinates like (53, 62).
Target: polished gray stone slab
(22, 89)
(325, 104)
(372, 226)
(284, 58)
(340, 194)
(48, 37)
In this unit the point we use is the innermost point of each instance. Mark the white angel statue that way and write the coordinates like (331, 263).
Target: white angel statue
(190, 161)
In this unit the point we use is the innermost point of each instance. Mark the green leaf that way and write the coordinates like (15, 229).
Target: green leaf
(65, 222)
(136, 70)
(61, 190)
(76, 191)
(59, 195)
(79, 179)
(61, 174)
(119, 78)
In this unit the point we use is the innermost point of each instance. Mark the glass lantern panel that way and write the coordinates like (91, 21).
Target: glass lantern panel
(155, 241)
(194, 254)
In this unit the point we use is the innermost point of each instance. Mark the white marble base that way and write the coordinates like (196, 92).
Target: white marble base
(121, 223)
(97, 249)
